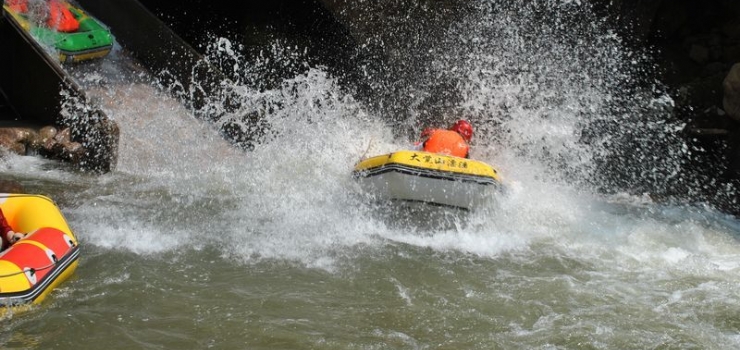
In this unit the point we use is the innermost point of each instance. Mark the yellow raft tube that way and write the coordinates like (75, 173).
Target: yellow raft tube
(48, 255)
(419, 176)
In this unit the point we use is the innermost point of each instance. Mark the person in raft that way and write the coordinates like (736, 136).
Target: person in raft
(56, 13)
(9, 237)
(453, 141)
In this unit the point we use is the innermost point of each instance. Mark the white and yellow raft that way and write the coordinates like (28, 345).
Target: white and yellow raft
(48, 255)
(419, 176)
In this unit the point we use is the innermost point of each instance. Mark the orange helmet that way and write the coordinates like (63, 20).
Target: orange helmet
(463, 128)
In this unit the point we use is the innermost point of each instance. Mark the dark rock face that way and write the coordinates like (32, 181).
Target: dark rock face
(695, 42)
(696, 45)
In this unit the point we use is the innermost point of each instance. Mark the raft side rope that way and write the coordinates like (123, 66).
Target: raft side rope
(55, 261)
(369, 146)
(29, 269)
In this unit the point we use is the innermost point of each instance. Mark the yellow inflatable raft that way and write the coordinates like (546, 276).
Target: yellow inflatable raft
(428, 177)
(32, 267)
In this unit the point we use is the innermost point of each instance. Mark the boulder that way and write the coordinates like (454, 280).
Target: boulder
(45, 137)
(16, 139)
(48, 141)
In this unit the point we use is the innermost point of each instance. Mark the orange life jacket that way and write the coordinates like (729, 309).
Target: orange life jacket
(446, 142)
(61, 19)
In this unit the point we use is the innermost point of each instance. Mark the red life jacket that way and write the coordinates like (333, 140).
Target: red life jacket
(446, 142)
(4, 228)
(61, 18)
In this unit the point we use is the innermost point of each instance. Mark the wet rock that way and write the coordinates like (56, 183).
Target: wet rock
(16, 139)
(47, 141)
(69, 151)
(63, 136)
(731, 101)
(46, 137)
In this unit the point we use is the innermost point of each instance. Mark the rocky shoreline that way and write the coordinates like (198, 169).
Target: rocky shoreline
(47, 141)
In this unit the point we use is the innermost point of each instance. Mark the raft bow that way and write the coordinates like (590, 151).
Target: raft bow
(419, 176)
(32, 267)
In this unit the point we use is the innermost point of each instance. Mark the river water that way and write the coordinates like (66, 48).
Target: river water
(193, 243)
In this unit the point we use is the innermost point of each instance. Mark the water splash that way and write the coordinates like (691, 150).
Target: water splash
(546, 83)
(557, 102)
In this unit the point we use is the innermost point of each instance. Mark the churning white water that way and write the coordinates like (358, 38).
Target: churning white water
(278, 246)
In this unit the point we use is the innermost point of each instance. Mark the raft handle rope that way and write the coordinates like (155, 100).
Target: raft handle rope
(369, 145)
(29, 269)
(33, 270)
